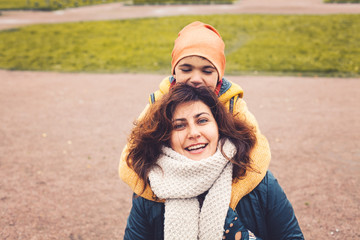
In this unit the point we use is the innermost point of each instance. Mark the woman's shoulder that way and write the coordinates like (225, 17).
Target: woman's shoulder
(140, 201)
(266, 211)
(147, 206)
(269, 184)
(268, 179)
(266, 192)
(268, 196)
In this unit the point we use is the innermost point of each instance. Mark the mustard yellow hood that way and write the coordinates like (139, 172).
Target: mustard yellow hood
(227, 91)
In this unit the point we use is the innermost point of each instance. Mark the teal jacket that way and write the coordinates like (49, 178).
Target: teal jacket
(265, 211)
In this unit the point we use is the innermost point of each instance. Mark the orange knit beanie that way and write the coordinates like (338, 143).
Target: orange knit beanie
(203, 40)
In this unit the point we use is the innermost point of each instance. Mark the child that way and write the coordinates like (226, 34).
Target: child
(198, 59)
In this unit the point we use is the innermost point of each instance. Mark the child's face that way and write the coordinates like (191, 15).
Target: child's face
(195, 132)
(196, 71)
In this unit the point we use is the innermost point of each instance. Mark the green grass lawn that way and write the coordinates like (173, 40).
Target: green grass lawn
(326, 45)
(47, 4)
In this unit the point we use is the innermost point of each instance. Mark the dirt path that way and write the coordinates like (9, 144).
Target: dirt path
(61, 136)
(10, 19)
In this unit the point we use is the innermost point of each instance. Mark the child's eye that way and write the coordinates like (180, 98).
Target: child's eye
(208, 70)
(186, 69)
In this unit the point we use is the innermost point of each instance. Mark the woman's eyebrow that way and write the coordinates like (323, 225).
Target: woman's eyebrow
(179, 120)
(196, 116)
(199, 114)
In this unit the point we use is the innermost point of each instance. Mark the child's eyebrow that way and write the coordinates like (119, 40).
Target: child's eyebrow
(208, 66)
(185, 65)
(189, 65)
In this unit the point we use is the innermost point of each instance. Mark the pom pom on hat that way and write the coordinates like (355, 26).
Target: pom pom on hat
(200, 39)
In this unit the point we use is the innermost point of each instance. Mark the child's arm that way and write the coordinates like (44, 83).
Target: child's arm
(260, 156)
(125, 172)
(241, 111)
(129, 176)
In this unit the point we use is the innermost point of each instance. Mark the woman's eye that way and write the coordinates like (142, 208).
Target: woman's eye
(203, 120)
(178, 126)
(186, 69)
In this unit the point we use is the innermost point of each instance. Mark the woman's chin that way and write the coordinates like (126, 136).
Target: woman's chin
(198, 155)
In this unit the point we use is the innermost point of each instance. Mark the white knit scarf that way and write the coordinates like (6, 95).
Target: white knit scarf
(180, 180)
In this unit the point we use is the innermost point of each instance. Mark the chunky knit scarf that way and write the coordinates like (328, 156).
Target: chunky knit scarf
(180, 180)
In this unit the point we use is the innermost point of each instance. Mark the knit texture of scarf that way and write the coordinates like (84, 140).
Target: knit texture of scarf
(179, 181)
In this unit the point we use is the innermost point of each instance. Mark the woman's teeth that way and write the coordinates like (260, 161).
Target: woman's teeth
(195, 147)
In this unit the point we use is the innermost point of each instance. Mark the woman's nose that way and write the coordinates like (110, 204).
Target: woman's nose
(194, 132)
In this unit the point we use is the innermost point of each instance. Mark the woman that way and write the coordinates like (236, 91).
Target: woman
(190, 152)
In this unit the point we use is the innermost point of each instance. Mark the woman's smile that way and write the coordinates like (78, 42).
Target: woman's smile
(196, 148)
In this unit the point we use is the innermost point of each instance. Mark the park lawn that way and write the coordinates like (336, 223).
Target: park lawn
(326, 45)
(47, 4)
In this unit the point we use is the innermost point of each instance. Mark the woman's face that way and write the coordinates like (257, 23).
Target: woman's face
(195, 132)
(196, 71)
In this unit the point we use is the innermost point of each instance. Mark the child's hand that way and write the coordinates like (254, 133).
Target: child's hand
(238, 236)
(235, 229)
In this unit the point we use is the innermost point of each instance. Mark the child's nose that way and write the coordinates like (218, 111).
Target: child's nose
(196, 79)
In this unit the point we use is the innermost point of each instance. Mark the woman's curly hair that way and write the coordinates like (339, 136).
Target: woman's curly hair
(153, 131)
